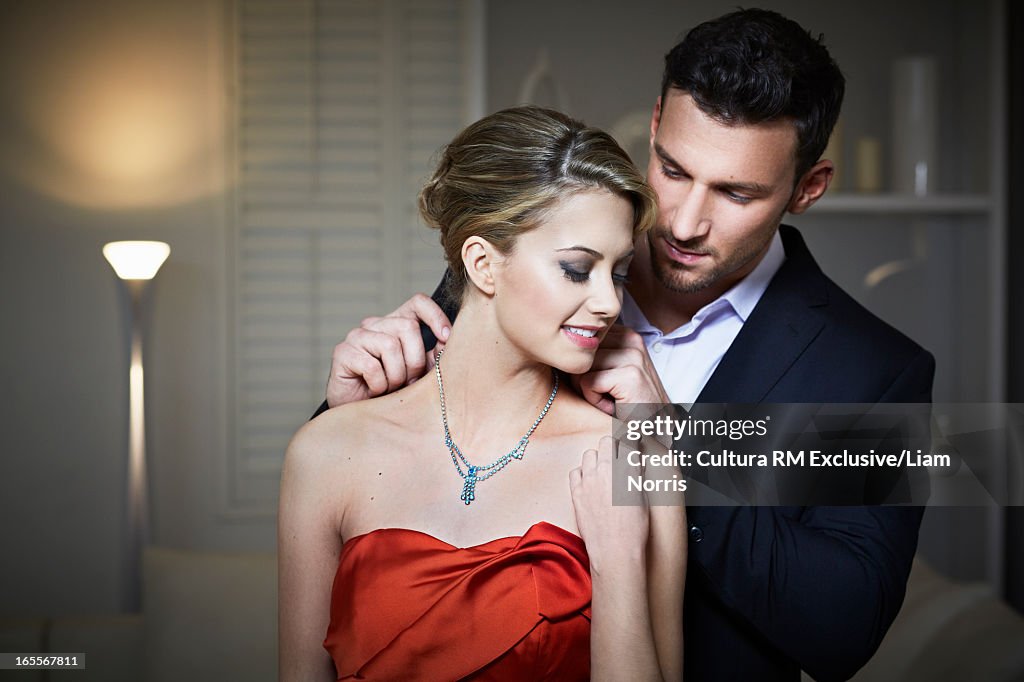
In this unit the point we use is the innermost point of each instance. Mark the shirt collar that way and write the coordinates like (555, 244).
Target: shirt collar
(742, 297)
(748, 291)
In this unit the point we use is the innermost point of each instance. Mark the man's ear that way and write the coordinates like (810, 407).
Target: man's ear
(655, 120)
(480, 256)
(811, 186)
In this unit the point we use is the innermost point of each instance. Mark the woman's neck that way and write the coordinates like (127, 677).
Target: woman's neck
(492, 391)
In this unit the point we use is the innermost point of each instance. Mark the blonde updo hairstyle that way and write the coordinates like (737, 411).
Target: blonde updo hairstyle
(498, 178)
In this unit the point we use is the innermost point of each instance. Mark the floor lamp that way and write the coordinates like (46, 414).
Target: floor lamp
(136, 263)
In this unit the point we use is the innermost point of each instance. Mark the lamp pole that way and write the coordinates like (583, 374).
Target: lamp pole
(137, 494)
(136, 263)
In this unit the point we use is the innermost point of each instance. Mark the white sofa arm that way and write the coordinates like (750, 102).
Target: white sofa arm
(949, 631)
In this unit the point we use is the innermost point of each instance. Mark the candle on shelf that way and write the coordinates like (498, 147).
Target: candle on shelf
(869, 164)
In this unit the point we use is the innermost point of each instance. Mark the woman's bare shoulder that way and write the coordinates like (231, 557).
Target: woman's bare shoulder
(332, 436)
(326, 464)
(329, 431)
(316, 448)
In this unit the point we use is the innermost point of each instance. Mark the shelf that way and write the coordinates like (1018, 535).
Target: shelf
(903, 203)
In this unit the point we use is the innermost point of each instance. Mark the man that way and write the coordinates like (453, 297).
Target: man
(727, 305)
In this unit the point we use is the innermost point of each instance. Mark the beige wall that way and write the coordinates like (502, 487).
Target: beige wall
(112, 123)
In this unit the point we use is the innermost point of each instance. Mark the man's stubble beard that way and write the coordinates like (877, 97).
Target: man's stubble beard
(672, 275)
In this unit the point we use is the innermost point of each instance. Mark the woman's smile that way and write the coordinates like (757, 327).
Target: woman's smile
(584, 337)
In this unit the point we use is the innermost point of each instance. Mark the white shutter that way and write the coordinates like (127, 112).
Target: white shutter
(341, 106)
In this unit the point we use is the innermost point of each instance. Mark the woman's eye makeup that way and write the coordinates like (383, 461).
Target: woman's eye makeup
(581, 273)
(574, 273)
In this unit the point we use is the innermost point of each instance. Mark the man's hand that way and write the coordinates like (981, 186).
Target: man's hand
(385, 353)
(622, 372)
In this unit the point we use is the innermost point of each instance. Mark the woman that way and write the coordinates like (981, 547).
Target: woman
(450, 530)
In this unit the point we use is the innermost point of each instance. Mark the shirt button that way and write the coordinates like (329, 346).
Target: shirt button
(657, 346)
(696, 534)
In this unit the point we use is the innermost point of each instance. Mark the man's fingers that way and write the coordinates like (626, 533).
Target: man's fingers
(627, 384)
(368, 369)
(385, 347)
(597, 388)
(605, 381)
(385, 353)
(413, 352)
(601, 401)
(610, 358)
(407, 332)
(424, 309)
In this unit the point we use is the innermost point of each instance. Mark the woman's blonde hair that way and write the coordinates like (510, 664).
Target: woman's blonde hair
(500, 175)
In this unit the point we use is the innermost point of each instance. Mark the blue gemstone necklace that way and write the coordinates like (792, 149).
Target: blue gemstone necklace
(474, 474)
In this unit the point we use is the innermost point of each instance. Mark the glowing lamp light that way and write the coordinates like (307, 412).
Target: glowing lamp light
(136, 259)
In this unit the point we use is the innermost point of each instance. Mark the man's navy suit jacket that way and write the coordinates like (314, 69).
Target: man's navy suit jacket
(773, 590)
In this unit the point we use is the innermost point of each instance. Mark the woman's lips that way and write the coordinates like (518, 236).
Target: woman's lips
(582, 340)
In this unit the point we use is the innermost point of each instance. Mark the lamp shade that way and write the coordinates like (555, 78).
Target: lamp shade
(136, 260)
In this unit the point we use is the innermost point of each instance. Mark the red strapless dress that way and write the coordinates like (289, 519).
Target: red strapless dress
(407, 606)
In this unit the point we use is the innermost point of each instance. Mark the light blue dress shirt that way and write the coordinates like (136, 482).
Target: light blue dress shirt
(686, 357)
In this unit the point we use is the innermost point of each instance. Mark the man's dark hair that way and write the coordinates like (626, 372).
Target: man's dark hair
(755, 65)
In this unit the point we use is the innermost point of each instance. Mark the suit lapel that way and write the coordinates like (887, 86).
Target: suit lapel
(778, 331)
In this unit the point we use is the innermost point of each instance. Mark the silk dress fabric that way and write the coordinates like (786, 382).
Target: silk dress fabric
(408, 606)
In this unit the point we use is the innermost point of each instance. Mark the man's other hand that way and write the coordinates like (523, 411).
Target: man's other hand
(622, 372)
(385, 353)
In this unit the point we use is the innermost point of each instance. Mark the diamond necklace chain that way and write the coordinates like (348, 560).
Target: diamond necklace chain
(474, 474)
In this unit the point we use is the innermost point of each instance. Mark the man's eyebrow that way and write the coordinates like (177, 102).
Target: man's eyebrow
(665, 156)
(727, 186)
(753, 188)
